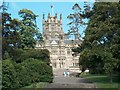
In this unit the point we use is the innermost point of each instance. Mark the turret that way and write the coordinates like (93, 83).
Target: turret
(60, 18)
(56, 18)
(43, 16)
(48, 17)
(55, 15)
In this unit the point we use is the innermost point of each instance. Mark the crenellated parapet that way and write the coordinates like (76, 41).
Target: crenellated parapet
(52, 25)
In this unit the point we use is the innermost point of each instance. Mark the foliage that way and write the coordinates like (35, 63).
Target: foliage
(99, 50)
(104, 35)
(19, 55)
(6, 55)
(25, 73)
(10, 30)
(23, 66)
(19, 33)
(8, 74)
(29, 28)
(76, 19)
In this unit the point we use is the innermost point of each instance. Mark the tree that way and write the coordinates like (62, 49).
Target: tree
(102, 35)
(6, 19)
(76, 19)
(29, 28)
(10, 30)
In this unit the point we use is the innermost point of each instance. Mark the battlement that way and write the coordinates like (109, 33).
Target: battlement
(52, 19)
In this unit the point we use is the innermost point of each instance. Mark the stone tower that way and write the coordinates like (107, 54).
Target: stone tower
(54, 39)
(60, 48)
(52, 27)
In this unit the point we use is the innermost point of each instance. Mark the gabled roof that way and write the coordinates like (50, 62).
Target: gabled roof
(53, 42)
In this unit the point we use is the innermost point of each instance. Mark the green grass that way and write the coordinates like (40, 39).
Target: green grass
(39, 85)
(102, 81)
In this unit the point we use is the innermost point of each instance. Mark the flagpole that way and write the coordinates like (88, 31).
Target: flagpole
(52, 10)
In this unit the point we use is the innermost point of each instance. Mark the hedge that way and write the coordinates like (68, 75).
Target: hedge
(17, 75)
(19, 55)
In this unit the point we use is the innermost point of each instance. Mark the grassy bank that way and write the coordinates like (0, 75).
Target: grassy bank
(36, 85)
(102, 81)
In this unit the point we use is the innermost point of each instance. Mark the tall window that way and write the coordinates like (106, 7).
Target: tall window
(68, 51)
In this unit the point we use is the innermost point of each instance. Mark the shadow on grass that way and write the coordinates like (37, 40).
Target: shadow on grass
(100, 78)
(102, 81)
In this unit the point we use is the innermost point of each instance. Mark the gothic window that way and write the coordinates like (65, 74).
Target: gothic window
(52, 27)
(54, 52)
(56, 36)
(68, 51)
(62, 52)
(60, 65)
(61, 37)
(54, 65)
(73, 64)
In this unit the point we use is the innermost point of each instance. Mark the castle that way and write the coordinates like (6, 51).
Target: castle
(59, 45)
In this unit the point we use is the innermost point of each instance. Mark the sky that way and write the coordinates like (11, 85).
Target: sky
(45, 7)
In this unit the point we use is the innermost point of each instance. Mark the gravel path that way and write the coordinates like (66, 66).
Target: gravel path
(70, 82)
(60, 81)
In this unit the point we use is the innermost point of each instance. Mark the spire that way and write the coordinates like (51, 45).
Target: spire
(48, 15)
(56, 15)
(43, 16)
(60, 16)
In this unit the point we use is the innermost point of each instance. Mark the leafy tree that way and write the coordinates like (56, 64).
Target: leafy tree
(76, 19)
(6, 19)
(102, 36)
(10, 31)
(29, 28)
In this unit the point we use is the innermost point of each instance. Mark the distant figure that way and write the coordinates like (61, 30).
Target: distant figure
(65, 74)
(68, 73)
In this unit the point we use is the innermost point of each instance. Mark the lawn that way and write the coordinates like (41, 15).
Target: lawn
(40, 85)
(102, 81)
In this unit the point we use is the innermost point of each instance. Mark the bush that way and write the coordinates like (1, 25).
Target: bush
(16, 75)
(8, 74)
(41, 54)
(38, 71)
(19, 55)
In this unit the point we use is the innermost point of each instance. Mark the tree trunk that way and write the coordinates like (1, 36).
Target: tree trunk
(111, 77)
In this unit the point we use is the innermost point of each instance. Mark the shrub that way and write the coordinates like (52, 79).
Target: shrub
(8, 74)
(17, 75)
(38, 71)
(41, 54)
(19, 55)
(5, 55)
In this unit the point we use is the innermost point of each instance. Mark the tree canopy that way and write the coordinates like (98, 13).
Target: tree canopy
(99, 50)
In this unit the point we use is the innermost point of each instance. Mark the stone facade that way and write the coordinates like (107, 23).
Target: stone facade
(58, 44)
